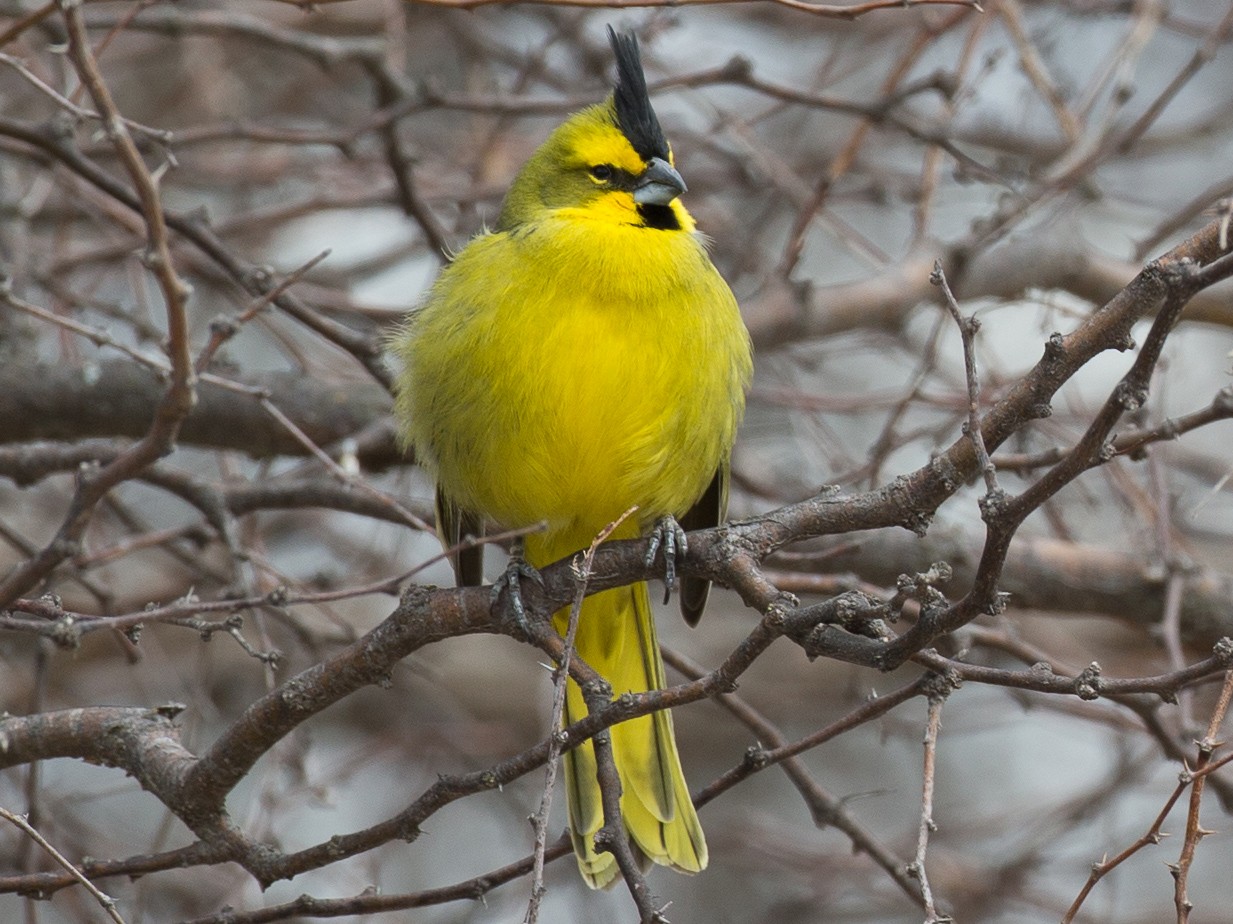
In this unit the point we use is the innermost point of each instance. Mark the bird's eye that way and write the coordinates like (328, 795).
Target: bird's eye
(602, 172)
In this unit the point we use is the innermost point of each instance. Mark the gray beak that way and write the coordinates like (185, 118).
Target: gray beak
(659, 184)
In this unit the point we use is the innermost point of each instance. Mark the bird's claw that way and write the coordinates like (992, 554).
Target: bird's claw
(669, 536)
(511, 582)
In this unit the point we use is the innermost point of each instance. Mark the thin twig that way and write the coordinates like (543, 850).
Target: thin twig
(108, 903)
(1035, 70)
(335, 469)
(158, 134)
(612, 836)
(582, 573)
(968, 326)
(224, 329)
(33, 18)
(1175, 586)
(917, 867)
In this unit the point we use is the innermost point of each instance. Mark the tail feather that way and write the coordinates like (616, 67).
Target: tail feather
(616, 636)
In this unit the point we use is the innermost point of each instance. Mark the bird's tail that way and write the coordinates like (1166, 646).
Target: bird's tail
(616, 637)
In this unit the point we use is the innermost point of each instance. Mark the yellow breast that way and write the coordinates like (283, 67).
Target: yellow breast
(574, 367)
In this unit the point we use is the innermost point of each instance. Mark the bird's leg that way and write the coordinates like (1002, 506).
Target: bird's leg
(669, 536)
(510, 582)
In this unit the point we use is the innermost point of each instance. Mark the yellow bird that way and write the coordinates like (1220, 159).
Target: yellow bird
(582, 357)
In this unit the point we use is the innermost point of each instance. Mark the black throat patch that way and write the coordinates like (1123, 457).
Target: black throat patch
(635, 117)
(659, 217)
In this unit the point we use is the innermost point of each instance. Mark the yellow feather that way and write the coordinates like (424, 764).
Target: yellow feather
(569, 364)
(616, 636)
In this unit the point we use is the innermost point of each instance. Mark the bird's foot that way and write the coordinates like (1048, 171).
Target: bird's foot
(669, 536)
(510, 583)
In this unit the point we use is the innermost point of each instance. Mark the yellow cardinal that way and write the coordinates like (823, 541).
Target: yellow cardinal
(582, 357)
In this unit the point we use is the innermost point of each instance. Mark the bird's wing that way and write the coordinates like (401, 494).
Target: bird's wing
(708, 510)
(453, 523)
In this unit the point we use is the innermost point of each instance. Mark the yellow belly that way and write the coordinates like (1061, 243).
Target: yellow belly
(615, 376)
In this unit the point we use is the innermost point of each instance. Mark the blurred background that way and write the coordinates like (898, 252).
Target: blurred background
(1043, 151)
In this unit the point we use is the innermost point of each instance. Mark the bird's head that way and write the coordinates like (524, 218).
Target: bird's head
(609, 162)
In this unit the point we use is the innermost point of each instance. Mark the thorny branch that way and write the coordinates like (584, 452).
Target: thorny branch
(1188, 779)
(1198, 781)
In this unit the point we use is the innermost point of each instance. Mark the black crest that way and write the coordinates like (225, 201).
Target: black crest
(635, 117)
